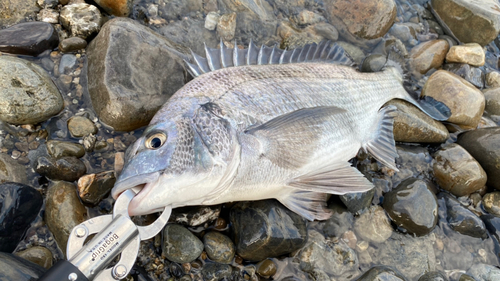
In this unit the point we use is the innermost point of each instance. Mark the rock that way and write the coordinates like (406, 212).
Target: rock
(412, 206)
(465, 277)
(19, 269)
(28, 94)
(373, 225)
(403, 32)
(174, 10)
(66, 168)
(492, 98)
(44, 4)
(219, 247)
(358, 201)
(412, 125)
(340, 221)
(373, 63)
(120, 8)
(464, 100)
(266, 268)
(37, 254)
(63, 211)
(428, 55)
(195, 215)
(470, 21)
(72, 44)
(484, 146)
(306, 17)
(334, 258)
(66, 64)
(381, 272)
(180, 245)
(294, 38)
(14, 11)
(80, 126)
(58, 149)
(20, 205)
(81, 19)
(125, 84)
(461, 219)
(457, 171)
(48, 16)
(471, 53)
(370, 19)
(354, 51)
(93, 187)
(473, 75)
(29, 38)
(491, 202)
(433, 276)
(484, 272)
(325, 30)
(216, 271)
(211, 20)
(264, 229)
(493, 79)
(11, 171)
(226, 27)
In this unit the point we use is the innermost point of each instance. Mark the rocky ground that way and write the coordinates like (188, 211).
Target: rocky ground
(78, 81)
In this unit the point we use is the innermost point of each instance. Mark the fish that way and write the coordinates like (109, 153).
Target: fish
(262, 123)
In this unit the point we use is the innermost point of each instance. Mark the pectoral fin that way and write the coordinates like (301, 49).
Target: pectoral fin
(310, 205)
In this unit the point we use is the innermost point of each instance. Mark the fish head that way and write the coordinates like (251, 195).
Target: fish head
(169, 165)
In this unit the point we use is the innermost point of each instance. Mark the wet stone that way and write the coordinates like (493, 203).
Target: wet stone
(81, 19)
(471, 74)
(264, 229)
(433, 276)
(465, 277)
(219, 247)
(266, 268)
(492, 97)
(66, 168)
(484, 145)
(28, 94)
(471, 53)
(194, 215)
(226, 26)
(306, 17)
(20, 205)
(47, 3)
(117, 8)
(484, 272)
(492, 79)
(58, 149)
(373, 225)
(37, 254)
(216, 271)
(412, 206)
(211, 20)
(428, 55)
(382, 273)
(461, 219)
(457, 171)
(340, 221)
(93, 187)
(180, 245)
(48, 16)
(66, 64)
(373, 63)
(333, 258)
(63, 211)
(72, 44)
(462, 98)
(80, 126)
(15, 268)
(11, 171)
(356, 202)
(491, 202)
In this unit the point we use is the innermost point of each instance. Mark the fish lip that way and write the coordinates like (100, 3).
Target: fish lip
(133, 183)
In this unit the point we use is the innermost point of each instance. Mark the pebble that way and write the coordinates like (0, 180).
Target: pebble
(306, 17)
(471, 53)
(37, 254)
(381, 272)
(373, 63)
(180, 245)
(412, 206)
(469, 21)
(403, 32)
(433, 276)
(461, 219)
(116, 8)
(211, 20)
(13, 12)
(219, 247)
(373, 225)
(48, 15)
(464, 100)
(334, 258)
(216, 271)
(359, 22)
(66, 64)
(492, 79)
(355, 202)
(66, 168)
(15, 268)
(72, 44)
(266, 268)
(11, 171)
(93, 187)
(473, 75)
(47, 3)
(326, 30)
(428, 55)
(457, 171)
(340, 221)
(412, 125)
(80, 126)
(484, 145)
(226, 26)
(58, 149)
(484, 272)
(81, 19)
(28, 94)
(264, 229)
(195, 215)
(63, 211)
(491, 202)
(20, 205)
(492, 97)
(137, 54)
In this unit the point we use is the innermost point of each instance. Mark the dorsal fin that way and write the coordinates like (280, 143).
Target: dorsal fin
(253, 55)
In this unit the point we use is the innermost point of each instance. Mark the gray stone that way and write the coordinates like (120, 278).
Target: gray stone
(72, 44)
(93, 187)
(385, 273)
(216, 271)
(29, 38)
(180, 245)
(47, 3)
(28, 94)
(58, 149)
(340, 221)
(358, 201)
(15, 11)
(66, 168)
(37, 254)
(11, 171)
(492, 97)
(211, 20)
(433, 276)
(463, 220)
(226, 26)
(484, 272)
(81, 19)
(67, 63)
(125, 83)
(48, 16)
(80, 126)
(177, 9)
(471, 74)
(373, 225)
(19, 269)
(219, 247)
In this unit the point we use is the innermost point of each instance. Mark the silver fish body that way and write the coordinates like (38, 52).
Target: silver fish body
(284, 131)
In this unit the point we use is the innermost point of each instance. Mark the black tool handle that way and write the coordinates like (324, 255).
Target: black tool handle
(61, 271)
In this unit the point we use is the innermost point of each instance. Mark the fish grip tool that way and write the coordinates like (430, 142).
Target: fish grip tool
(114, 235)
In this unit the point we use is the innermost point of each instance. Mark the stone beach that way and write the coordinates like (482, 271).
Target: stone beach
(79, 80)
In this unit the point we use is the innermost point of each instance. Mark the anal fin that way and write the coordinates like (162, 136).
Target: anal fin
(310, 205)
(381, 144)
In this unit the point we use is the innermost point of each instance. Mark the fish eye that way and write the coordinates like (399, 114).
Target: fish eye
(156, 140)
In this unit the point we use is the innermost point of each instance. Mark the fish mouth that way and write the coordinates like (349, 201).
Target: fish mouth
(142, 186)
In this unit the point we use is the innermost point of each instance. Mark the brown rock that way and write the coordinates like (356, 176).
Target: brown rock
(464, 100)
(72, 44)
(119, 8)
(491, 203)
(471, 53)
(457, 171)
(15, 11)
(492, 97)
(37, 254)
(493, 79)
(365, 19)
(428, 55)
(93, 187)
(226, 27)
(80, 126)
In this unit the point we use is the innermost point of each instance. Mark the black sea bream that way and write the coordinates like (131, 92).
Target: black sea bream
(266, 123)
